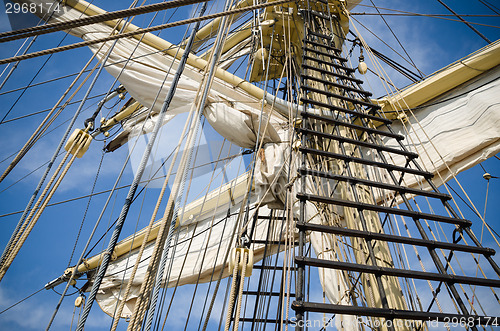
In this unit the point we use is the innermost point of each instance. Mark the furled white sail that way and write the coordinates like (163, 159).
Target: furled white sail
(147, 72)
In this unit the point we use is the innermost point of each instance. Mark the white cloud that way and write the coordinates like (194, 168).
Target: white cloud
(35, 313)
(29, 314)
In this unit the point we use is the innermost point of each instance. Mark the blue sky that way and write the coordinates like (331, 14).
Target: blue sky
(432, 44)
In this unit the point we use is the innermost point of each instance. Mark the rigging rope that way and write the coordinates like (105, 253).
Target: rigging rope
(49, 119)
(59, 26)
(395, 65)
(117, 314)
(87, 309)
(86, 208)
(219, 279)
(446, 204)
(486, 199)
(107, 65)
(56, 153)
(259, 141)
(465, 22)
(49, 14)
(31, 81)
(204, 255)
(399, 42)
(14, 67)
(42, 180)
(81, 259)
(148, 230)
(244, 263)
(419, 14)
(140, 31)
(186, 159)
(472, 237)
(130, 196)
(439, 16)
(450, 210)
(120, 187)
(490, 7)
(112, 191)
(163, 239)
(22, 300)
(177, 189)
(214, 53)
(41, 112)
(33, 217)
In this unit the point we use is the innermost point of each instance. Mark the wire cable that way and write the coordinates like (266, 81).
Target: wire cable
(465, 22)
(31, 81)
(46, 110)
(420, 14)
(397, 39)
(59, 26)
(29, 296)
(140, 31)
(92, 84)
(162, 192)
(439, 16)
(51, 11)
(106, 259)
(106, 66)
(490, 6)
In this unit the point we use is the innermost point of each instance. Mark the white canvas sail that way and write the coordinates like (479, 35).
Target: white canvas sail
(454, 123)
